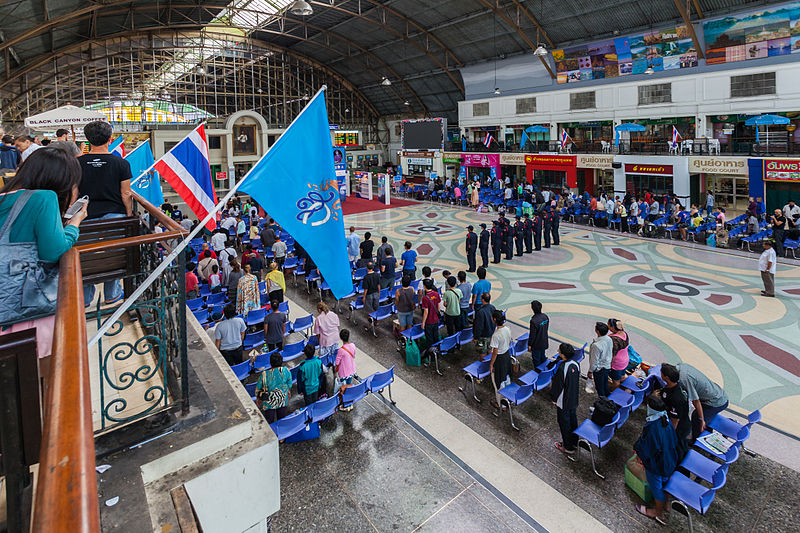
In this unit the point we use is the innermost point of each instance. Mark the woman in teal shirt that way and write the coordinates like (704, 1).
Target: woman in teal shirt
(53, 176)
(275, 383)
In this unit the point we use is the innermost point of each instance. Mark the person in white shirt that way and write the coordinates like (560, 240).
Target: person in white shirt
(218, 241)
(792, 213)
(186, 223)
(546, 195)
(767, 265)
(228, 223)
(610, 206)
(26, 146)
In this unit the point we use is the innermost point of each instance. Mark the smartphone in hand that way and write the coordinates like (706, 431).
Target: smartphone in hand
(75, 208)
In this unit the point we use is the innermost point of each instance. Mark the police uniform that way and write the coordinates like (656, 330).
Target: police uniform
(484, 246)
(547, 218)
(496, 241)
(554, 228)
(527, 233)
(506, 239)
(472, 248)
(518, 230)
(537, 231)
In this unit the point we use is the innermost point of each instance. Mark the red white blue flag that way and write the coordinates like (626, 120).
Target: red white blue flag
(564, 138)
(488, 140)
(675, 136)
(117, 146)
(186, 169)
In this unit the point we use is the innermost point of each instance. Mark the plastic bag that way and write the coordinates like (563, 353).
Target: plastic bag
(413, 357)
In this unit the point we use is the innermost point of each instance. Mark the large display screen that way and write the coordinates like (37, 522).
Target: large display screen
(423, 134)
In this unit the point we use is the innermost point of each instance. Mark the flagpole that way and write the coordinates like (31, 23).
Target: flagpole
(140, 176)
(179, 248)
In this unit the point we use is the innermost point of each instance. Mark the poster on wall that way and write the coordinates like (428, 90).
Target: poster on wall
(244, 140)
(753, 35)
(665, 49)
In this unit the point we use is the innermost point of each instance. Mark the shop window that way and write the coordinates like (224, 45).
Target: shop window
(397, 130)
(168, 145)
(480, 110)
(214, 142)
(526, 105)
(753, 85)
(583, 100)
(660, 93)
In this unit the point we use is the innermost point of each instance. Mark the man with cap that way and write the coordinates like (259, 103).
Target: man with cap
(547, 220)
(496, 241)
(527, 233)
(537, 230)
(472, 248)
(554, 222)
(484, 246)
(518, 230)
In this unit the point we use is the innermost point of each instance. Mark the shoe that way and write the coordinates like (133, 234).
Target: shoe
(118, 298)
(471, 270)
(560, 447)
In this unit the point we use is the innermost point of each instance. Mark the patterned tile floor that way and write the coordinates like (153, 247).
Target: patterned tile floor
(678, 303)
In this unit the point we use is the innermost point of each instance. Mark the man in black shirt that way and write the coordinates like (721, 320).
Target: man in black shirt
(388, 269)
(366, 248)
(484, 246)
(538, 335)
(778, 222)
(106, 177)
(677, 404)
(106, 180)
(372, 286)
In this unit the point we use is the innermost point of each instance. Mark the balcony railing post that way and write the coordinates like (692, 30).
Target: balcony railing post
(181, 311)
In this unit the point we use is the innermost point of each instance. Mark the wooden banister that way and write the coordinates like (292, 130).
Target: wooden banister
(158, 214)
(130, 241)
(66, 493)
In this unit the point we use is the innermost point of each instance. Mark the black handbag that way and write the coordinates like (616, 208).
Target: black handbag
(28, 286)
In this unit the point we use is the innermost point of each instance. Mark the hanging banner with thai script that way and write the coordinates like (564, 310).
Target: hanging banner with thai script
(656, 170)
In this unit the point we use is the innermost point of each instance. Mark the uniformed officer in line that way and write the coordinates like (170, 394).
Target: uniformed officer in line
(537, 230)
(556, 221)
(497, 241)
(519, 228)
(484, 246)
(507, 239)
(527, 233)
(547, 219)
(472, 248)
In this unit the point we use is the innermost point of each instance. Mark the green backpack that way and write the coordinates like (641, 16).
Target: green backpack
(412, 354)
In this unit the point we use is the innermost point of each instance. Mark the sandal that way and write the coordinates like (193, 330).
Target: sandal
(560, 447)
(642, 509)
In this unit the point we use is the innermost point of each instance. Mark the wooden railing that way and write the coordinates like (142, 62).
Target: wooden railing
(66, 493)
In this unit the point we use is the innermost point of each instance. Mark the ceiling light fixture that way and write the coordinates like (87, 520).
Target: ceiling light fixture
(649, 70)
(301, 8)
(497, 90)
(406, 103)
(540, 51)
(386, 81)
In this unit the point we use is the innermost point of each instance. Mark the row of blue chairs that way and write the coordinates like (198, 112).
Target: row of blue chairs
(326, 407)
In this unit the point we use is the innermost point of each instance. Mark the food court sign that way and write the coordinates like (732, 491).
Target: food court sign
(782, 170)
(730, 166)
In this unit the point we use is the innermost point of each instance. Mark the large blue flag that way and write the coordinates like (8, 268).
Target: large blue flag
(149, 186)
(295, 182)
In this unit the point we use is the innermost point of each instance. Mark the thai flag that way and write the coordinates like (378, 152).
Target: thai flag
(488, 140)
(564, 138)
(117, 146)
(675, 136)
(186, 169)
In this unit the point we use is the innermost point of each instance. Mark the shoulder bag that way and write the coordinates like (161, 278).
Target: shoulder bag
(28, 286)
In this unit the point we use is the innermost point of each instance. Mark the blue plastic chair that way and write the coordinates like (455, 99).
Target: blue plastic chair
(283, 307)
(732, 429)
(473, 371)
(544, 379)
(250, 388)
(216, 299)
(515, 394)
(253, 340)
(590, 434)
(354, 393)
(194, 303)
(381, 380)
(242, 370)
(359, 274)
(293, 371)
(290, 263)
(290, 425)
(701, 466)
(261, 361)
(383, 312)
(303, 325)
(201, 315)
(624, 412)
(256, 317)
(445, 346)
(324, 408)
(292, 351)
(465, 336)
(518, 347)
(688, 493)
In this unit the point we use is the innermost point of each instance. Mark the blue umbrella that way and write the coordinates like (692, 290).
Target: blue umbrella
(532, 129)
(767, 120)
(630, 126)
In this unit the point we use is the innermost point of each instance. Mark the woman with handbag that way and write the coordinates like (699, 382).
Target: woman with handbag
(272, 389)
(500, 364)
(345, 363)
(621, 358)
(33, 237)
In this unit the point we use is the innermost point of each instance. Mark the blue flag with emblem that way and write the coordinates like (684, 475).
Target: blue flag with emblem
(295, 182)
(149, 186)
